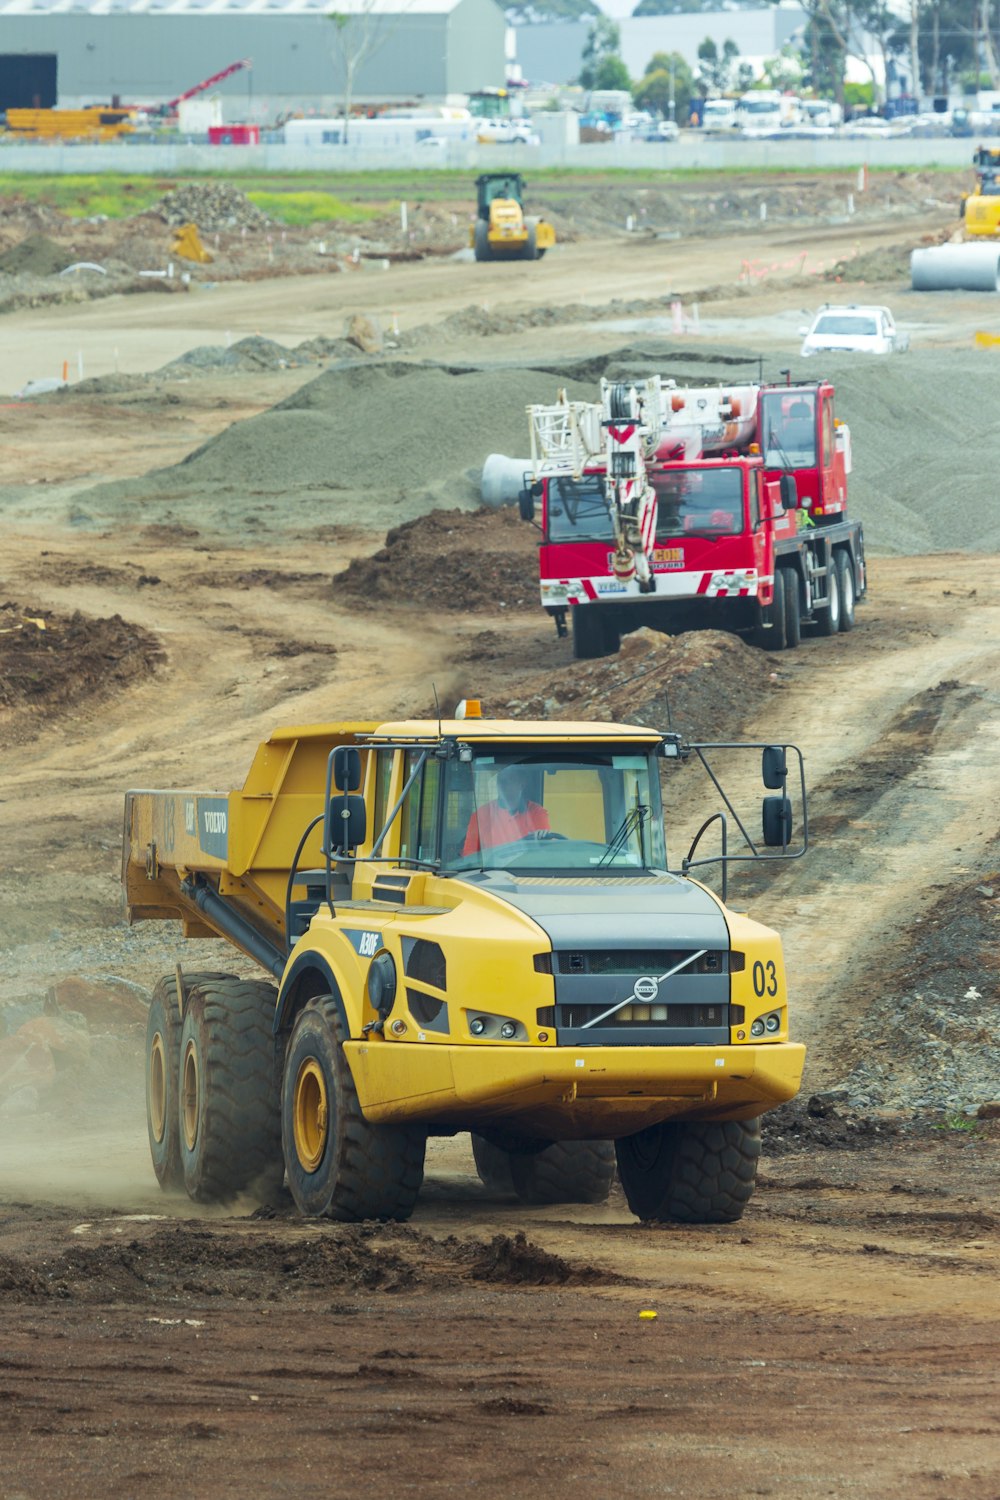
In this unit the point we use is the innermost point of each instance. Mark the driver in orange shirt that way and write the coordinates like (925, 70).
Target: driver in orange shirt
(511, 816)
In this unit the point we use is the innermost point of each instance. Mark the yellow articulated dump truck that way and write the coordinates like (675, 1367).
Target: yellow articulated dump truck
(467, 925)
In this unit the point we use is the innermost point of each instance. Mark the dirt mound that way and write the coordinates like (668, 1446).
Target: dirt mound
(703, 684)
(49, 661)
(376, 443)
(514, 1260)
(450, 560)
(37, 255)
(210, 205)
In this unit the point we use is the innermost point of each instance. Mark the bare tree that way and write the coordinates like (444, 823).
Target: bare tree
(358, 33)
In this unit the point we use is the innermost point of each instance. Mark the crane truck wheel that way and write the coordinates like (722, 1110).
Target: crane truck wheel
(230, 1129)
(828, 618)
(592, 635)
(163, 1033)
(690, 1171)
(339, 1165)
(845, 578)
(793, 610)
(482, 246)
(565, 1172)
(769, 633)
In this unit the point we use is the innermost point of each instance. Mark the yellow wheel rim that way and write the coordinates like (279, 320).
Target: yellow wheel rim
(158, 1088)
(310, 1114)
(190, 1091)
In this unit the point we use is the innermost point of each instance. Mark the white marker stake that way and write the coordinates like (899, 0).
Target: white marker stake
(403, 217)
(79, 365)
(763, 212)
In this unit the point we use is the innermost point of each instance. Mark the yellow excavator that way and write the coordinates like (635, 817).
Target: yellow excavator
(981, 209)
(501, 231)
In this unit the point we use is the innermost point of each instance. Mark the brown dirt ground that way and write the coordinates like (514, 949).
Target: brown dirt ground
(839, 1341)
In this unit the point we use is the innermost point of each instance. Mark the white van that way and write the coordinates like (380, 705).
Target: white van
(720, 114)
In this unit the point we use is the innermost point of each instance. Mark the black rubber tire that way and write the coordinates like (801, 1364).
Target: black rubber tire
(361, 1171)
(565, 1172)
(493, 1165)
(793, 610)
(482, 239)
(689, 1171)
(773, 614)
(593, 636)
(230, 1126)
(848, 592)
(828, 617)
(163, 1049)
(530, 251)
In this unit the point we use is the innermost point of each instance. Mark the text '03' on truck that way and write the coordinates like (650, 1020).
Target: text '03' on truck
(467, 925)
(697, 508)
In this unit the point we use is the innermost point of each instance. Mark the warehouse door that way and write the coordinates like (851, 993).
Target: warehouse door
(27, 80)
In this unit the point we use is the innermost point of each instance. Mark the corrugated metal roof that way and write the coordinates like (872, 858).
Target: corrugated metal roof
(222, 7)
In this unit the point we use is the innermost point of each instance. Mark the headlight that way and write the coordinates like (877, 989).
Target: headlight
(382, 983)
(767, 1025)
(496, 1028)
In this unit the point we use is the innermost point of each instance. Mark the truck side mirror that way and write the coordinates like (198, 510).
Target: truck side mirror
(526, 504)
(346, 823)
(346, 768)
(774, 767)
(776, 817)
(789, 494)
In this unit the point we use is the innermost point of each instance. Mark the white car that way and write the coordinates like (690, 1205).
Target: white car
(857, 330)
(506, 133)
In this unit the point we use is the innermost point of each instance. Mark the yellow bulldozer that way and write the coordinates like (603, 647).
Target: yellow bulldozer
(500, 230)
(981, 209)
(467, 925)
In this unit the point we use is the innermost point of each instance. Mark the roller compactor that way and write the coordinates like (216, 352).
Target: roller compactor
(467, 925)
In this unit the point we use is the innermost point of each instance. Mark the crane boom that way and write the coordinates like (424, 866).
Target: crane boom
(206, 83)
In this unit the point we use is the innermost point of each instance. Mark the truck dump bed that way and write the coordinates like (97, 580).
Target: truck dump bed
(180, 848)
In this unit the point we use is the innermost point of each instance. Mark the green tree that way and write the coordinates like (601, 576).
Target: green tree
(715, 68)
(656, 88)
(603, 41)
(611, 73)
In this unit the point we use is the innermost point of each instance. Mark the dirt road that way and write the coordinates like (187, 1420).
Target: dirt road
(839, 1341)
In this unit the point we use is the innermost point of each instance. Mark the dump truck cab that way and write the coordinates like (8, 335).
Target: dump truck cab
(474, 926)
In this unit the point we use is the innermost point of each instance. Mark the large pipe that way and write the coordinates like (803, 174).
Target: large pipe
(956, 268)
(503, 479)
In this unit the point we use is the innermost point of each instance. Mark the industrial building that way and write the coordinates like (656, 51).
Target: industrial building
(73, 53)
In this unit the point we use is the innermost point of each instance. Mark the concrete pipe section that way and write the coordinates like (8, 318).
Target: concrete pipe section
(956, 268)
(503, 479)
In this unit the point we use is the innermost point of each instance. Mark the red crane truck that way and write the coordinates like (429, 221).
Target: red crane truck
(698, 508)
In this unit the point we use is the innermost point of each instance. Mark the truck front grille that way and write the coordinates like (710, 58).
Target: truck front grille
(637, 961)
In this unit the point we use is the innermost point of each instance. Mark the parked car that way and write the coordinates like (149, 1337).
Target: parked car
(506, 133)
(857, 330)
(663, 130)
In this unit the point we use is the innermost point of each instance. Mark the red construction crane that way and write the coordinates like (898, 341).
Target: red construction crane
(206, 83)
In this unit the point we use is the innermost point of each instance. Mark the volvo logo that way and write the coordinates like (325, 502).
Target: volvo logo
(646, 988)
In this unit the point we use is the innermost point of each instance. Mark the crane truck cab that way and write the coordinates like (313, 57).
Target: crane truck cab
(468, 925)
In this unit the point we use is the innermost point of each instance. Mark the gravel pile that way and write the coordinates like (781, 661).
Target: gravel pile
(36, 255)
(210, 205)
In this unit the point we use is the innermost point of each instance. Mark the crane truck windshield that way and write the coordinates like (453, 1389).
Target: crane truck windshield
(788, 425)
(702, 502)
(577, 510)
(591, 812)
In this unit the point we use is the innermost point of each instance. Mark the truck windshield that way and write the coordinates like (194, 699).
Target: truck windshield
(576, 510)
(702, 502)
(788, 425)
(845, 323)
(590, 811)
